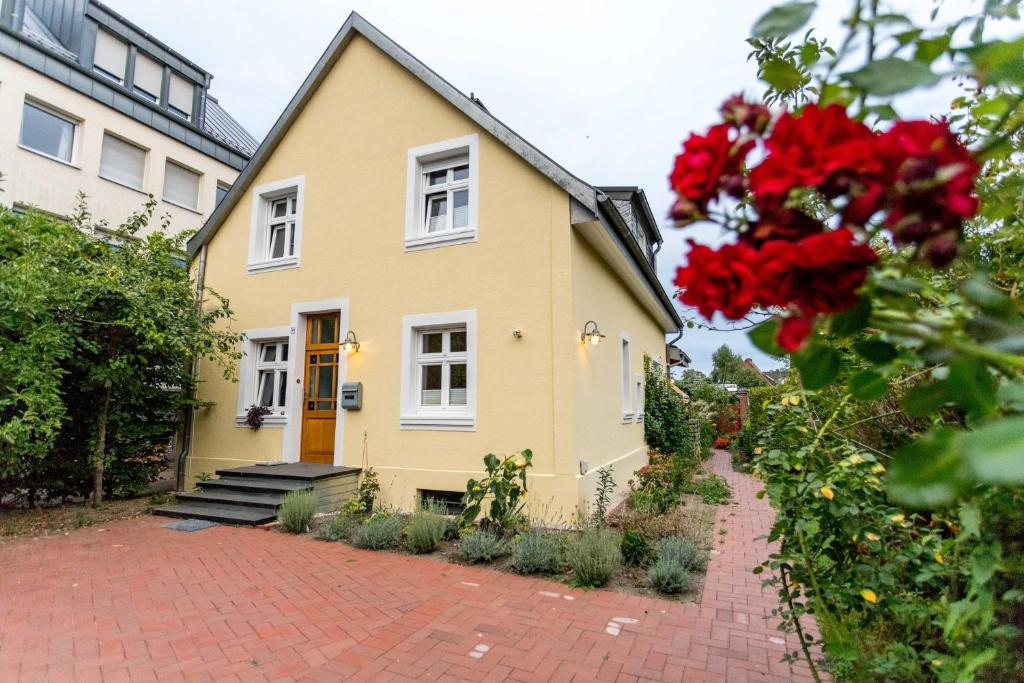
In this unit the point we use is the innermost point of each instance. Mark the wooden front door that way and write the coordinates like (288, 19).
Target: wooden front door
(320, 407)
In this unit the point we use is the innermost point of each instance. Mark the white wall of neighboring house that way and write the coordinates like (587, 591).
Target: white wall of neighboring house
(34, 180)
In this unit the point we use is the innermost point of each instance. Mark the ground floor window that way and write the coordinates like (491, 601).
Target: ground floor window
(439, 371)
(272, 374)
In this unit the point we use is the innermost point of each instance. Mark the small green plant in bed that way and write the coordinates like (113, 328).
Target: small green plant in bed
(382, 531)
(296, 511)
(636, 551)
(339, 527)
(593, 556)
(668, 575)
(482, 546)
(684, 551)
(426, 528)
(711, 488)
(536, 551)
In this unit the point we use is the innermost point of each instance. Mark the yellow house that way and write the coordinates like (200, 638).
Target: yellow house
(389, 209)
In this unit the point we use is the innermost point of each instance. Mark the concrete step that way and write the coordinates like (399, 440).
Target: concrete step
(241, 516)
(255, 484)
(226, 497)
(294, 471)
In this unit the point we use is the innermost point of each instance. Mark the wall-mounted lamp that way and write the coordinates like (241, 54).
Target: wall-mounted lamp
(592, 335)
(351, 343)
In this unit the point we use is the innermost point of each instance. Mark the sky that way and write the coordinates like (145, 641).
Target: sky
(607, 89)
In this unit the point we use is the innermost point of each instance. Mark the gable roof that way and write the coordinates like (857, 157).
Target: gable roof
(596, 202)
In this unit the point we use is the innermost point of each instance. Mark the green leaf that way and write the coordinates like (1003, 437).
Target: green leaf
(971, 386)
(1011, 396)
(852, 320)
(999, 62)
(763, 337)
(876, 351)
(809, 54)
(929, 472)
(995, 453)
(892, 75)
(930, 49)
(980, 292)
(782, 75)
(780, 21)
(925, 399)
(868, 385)
(818, 366)
(833, 92)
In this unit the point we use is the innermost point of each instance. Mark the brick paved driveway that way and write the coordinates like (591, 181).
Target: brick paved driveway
(138, 602)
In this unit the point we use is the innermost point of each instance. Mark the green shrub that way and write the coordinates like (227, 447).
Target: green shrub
(711, 488)
(452, 529)
(339, 527)
(297, 510)
(684, 551)
(593, 556)
(666, 417)
(668, 575)
(504, 489)
(654, 500)
(482, 546)
(426, 529)
(380, 532)
(636, 551)
(536, 551)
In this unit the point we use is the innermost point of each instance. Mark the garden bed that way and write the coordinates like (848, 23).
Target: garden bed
(62, 519)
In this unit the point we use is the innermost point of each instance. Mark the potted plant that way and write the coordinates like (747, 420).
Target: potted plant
(254, 416)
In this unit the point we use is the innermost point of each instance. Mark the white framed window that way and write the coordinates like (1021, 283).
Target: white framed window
(122, 162)
(439, 371)
(263, 374)
(275, 234)
(48, 132)
(639, 381)
(148, 77)
(179, 96)
(110, 56)
(627, 381)
(181, 186)
(442, 193)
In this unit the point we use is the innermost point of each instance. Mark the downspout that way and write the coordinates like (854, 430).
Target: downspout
(186, 439)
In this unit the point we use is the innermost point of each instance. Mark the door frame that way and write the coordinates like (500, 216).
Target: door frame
(291, 447)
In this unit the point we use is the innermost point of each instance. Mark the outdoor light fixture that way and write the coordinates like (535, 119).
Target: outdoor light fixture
(592, 335)
(351, 343)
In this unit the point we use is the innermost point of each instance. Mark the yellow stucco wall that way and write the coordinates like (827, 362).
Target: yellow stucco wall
(31, 179)
(351, 144)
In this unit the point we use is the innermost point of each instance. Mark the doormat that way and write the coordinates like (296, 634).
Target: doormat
(190, 525)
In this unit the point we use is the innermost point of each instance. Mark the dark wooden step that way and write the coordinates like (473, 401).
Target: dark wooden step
(241, 516)
(226, 497)
(255, 485)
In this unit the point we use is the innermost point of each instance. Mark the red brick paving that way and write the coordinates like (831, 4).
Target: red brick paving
(135, 602)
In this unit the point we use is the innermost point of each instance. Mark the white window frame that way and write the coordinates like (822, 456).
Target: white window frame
(68, 118)
(248, 376)
(639, 384)
(199, 185)
(626, 375)
(445, 417)
(432, 157)
(145, 161)
(259, 229)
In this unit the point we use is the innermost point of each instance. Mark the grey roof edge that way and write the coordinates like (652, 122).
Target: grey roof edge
(48, 53)
(576, 188)
(645, 207)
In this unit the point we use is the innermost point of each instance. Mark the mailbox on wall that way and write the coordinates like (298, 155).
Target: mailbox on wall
(352, 395)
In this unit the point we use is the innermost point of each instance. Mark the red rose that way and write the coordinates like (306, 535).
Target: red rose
(793, 332)
(930, 175)
(708, 163)
(724, 280)
(818, 274)
(741, 113)
(822, 148)
(777, 222)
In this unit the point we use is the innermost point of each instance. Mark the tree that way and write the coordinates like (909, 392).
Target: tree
(728, 368)
(98, 336)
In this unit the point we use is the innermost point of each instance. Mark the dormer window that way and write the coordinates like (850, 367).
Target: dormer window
(179, 96)
(110, 57)
(148, 78)
(441, 199)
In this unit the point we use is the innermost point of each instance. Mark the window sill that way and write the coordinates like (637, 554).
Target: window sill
(442, 240)
(51, 158)
(276, 264)
(272, 421)
(447, 423)
(627, 418)
(194, 210)
(124, 185)
(639, 419)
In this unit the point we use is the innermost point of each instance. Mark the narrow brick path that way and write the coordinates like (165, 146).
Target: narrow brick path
(135, 602)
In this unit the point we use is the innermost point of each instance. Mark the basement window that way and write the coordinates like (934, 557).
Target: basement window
(450, 500)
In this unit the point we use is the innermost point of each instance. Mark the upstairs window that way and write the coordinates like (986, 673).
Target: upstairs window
(110, 57)
(271, 375)
(222, 191)
(179, 96)
(148, 79)
(442, 193)
(181, 186)
(627, 381)
(122, 162)
(47, 132)
(275, 235)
